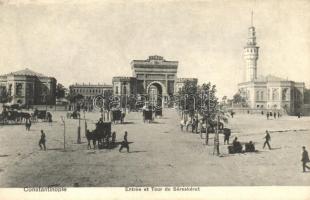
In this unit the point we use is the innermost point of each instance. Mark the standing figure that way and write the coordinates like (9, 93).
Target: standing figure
(267, 139)
(267, 115)
(42, 140)
(193, 125)
(278, 114)
(275, 115)
(113, 138)
(124, 143)
(182, 124)
(28, 124)
(227, 134)
(232, 114)
(304, 159)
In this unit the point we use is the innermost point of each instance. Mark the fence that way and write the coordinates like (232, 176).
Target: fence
(50, 107)
(257, 111)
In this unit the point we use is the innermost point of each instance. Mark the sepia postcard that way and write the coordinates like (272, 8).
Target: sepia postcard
(147, 99)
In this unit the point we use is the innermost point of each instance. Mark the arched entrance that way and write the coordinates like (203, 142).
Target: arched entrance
(155, 93)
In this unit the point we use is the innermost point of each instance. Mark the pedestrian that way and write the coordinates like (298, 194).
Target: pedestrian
(262, 112)
(193, 125)
(232, 114)
(275, 115)
(182, 124)
(196, 125)
(267, 115)
(124, 143)
(267, 139)
(304, 159)
(113, 138)
(42, 140)
(26, 124)
(227, 134)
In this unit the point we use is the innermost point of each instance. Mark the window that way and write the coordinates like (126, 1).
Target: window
(257, 95)
(19, 89)
(275, 94)
(116, 89)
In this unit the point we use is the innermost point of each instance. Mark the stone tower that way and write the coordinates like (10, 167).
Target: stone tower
(251, 54)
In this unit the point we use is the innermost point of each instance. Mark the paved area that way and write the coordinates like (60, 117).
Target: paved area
(160, 154)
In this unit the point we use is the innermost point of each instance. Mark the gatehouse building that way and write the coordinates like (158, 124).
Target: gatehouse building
(153, 77)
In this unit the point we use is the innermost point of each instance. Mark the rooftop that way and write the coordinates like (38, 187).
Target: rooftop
(26, 72)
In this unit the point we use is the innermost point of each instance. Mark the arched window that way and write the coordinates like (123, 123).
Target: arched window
(257, 96)
(19, 89)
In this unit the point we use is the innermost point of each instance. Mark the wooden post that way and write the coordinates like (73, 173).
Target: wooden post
(79, 131)
(63, 120)
(216, 138)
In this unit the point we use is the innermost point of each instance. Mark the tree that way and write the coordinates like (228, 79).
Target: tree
(199, 98)
(107, 94)
(238, 99)
(188, 95)
(5, 97)
(60, 91)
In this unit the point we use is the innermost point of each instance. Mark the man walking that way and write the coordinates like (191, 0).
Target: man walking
(124, 143)
(227, 134)
(42, 141)
(304, 159)
(267, 139)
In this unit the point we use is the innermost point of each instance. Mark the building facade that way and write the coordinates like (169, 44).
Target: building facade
(89, 91)
(153, 77)
(268, 92)
(26, 87)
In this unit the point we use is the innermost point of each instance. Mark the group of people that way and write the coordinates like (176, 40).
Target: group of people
(194, 123)
(272, 114)
(250, 145)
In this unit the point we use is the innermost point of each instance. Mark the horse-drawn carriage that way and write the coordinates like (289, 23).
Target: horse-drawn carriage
(43, 115)
(147, 115)
(117, 116)
(75, 115)
(158, 112)
(100, 135)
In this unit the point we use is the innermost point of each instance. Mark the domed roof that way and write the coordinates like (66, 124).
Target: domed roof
(26, 72)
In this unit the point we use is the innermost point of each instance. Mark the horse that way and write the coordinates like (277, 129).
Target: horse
(24, 116)
(91, 135)
(214, 124)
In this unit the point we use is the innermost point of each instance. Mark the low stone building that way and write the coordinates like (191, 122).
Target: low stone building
(26, 87)
(89, 91)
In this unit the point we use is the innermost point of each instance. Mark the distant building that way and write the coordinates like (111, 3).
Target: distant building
(180, 82)
(154, 77)
(27, 87)
(268, 92)
(89, 91)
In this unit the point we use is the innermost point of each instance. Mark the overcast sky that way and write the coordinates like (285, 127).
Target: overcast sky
(92, 42)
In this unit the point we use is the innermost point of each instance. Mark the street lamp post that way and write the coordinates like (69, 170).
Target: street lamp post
(216, 138)
(63, 120)
(85, 124)
(79, 131)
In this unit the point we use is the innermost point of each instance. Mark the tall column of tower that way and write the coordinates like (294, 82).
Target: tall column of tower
(251, 55)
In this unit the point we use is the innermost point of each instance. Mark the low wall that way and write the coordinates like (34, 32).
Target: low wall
(306, 110)
(257, 111)
(50, 107)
